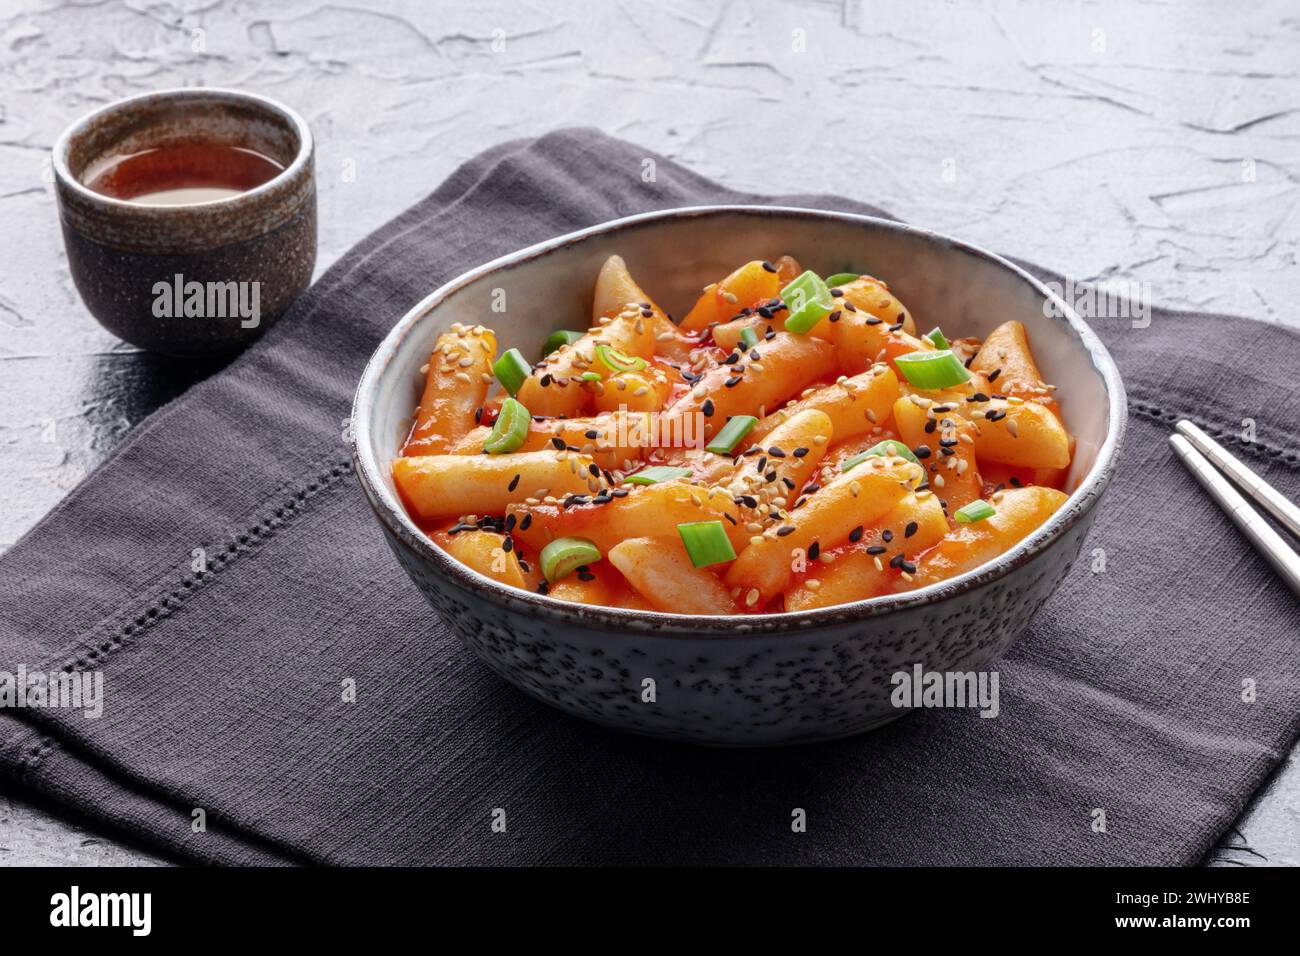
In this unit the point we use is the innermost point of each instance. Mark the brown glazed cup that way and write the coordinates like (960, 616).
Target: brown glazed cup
(125, 256)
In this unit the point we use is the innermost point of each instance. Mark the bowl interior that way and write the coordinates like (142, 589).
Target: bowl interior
(179, 117)
(526, 296)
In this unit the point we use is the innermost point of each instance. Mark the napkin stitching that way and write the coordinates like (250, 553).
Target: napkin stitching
(1261, 449)
(245, 543)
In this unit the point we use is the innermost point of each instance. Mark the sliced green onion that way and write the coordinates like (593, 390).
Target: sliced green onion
(748, 337)
(657, 473)
(511, 369)
(889, 446)
(560, 338)
(808, 300)
(737, 427)
(617, 361)
(927, 370)
(936, 339)
(509, 430)
(706, 542)
(975, 511)
(563, 555)
(842, 278)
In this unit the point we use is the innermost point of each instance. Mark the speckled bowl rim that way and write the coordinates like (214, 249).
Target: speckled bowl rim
(390, 512)
(306, 148)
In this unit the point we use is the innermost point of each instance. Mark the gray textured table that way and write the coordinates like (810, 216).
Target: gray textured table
(1151, 143)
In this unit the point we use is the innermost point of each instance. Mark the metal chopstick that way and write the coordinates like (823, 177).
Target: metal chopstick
(1264, 494)
(1250, 522)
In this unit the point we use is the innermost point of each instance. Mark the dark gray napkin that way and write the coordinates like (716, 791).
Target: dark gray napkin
(224, 689)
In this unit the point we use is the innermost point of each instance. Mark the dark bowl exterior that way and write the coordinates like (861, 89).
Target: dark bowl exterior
(117, 285)
(119, 251)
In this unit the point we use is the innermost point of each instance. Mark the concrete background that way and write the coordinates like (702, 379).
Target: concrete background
(1133, 142)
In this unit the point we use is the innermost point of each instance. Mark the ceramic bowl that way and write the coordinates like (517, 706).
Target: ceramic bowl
(738, 680)
(119, 251)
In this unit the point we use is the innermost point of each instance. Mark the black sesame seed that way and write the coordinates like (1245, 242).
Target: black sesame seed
(856, 534)
(836, 293)
(886, 536)
(799, 452)
(784, 530)
(514, 483)
(732, 382)
(929, 426)
(876, 549)
(907, 566)
(508, 544)
(896, 560)
(768, 267)
(558, 443)
(594, 470)
(524, 525)
(707, 407)
(921, 451)
(591, 433)
(776, 452)
(993, 375)
(814, 550)
(873, 321)
(910, 529)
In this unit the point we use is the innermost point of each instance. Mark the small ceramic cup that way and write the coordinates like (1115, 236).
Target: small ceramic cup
(136, 265)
